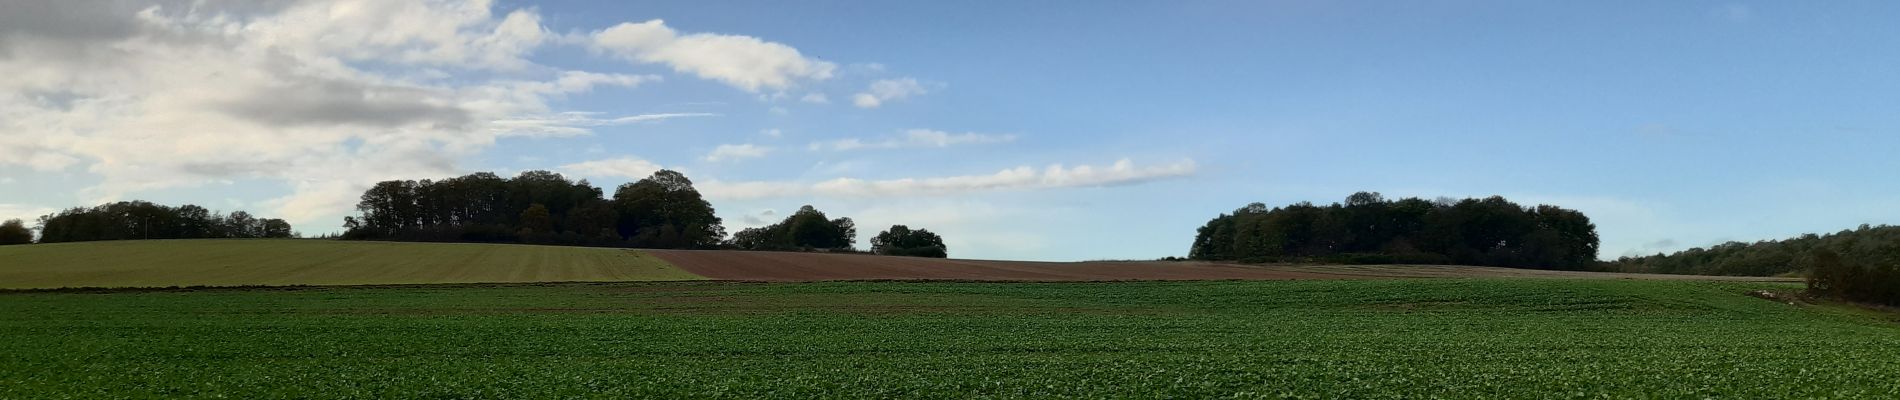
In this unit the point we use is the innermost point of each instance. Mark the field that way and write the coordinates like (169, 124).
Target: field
(1365, 338)
(148, 263)
(261, 262)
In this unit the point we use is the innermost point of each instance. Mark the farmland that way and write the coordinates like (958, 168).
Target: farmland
(1380, 338)
(149, 263)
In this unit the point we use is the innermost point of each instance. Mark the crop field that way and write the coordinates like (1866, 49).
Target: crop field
(1452, 338)
(208, 262)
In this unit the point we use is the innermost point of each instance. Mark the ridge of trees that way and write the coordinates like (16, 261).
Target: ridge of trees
(145, 220)
(1367, 228)
(807, 229)
(660, 211)
(1769, 257)
(1861, 264)
(900, 240)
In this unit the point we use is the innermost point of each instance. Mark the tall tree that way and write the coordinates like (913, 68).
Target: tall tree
(665, 210)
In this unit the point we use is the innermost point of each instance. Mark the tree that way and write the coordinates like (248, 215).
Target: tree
(145, 220)
(900, 240)
(1369, 228)
(274, 228)
(242, 225)
(537, 219)
(806, 229)
(665, 210)
(13, 231)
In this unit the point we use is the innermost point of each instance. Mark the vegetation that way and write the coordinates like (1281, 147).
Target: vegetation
(1424, 338)
(900, 240)
(806, 229)
(144, 220)
(15, 232)
(1861, 264)
(661, 211)
(1370, 229)
(160, 263)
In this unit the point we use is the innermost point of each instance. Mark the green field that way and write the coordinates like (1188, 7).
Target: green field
(209, 262)
(1453, 338)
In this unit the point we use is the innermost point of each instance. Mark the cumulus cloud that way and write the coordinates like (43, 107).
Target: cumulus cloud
(744, 62)
(772, 133)
(325, 97)
(623, 167)
(320, 95)
(887, 90)
(1123, 172)
(727, 152)
(913, 138)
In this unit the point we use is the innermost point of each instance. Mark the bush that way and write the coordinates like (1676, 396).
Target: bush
(1870, 281)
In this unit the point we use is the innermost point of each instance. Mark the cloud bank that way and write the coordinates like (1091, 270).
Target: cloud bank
(1123, 172)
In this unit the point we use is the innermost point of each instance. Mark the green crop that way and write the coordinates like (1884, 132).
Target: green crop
(1419, 338)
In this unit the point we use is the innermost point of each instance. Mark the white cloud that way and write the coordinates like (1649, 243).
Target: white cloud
(575, 123)
(967, 226)
(887, 90)
(773, 133)
(324, 96)
(726, 152)
(817, 98)
(623, 167)
(1122, 172)
(744, 62)
(23, 212)
(913, 138)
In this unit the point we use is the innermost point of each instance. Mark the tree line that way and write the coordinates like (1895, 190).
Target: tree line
(145, 220)
(1368, 228)
(1861, 264)
(542, 207)
(660, 211)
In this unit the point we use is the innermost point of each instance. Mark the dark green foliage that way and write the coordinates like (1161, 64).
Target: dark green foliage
(900, 240)
(1867, 245)
(664, 211)
(13, 231)
(1871, 279)
(661, 211)
(145, 220)
(806, 229)
(1370, 229)
(1321, 339)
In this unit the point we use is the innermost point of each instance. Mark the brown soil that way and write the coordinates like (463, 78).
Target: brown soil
(786, 266)
(782, 266)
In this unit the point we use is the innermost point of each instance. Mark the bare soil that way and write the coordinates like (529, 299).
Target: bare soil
(786, 266)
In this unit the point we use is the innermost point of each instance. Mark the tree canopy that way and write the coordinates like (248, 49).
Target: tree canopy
(806, 229)
(661, 211)
(1368, 228)
(13, 231)
(145, 220)
(1861, 264)
(900, 240)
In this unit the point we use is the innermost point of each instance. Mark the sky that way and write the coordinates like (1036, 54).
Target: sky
(1045, 130)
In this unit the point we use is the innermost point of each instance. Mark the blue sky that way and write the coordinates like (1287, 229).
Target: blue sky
(1020, 130)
